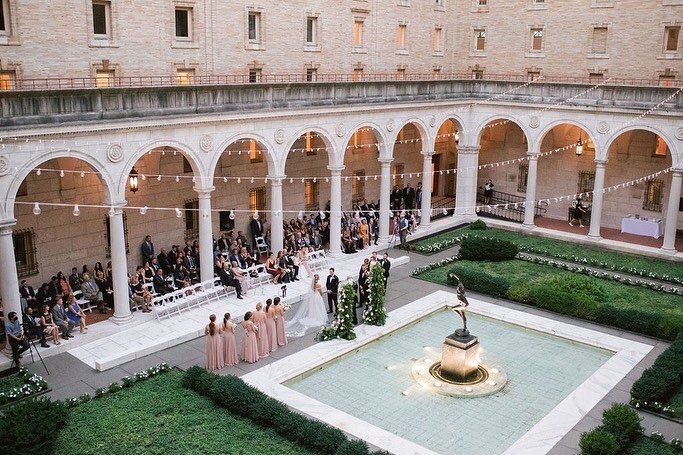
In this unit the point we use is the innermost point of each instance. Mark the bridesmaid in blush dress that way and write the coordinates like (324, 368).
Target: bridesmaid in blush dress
(214, 346)
(259, 318)
(279, 322)
(249, 345)
(271, 326)
(229, 344)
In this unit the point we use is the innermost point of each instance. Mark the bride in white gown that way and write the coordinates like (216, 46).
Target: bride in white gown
(310, 313)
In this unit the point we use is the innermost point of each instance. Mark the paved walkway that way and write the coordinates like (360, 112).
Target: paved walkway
(71, 377)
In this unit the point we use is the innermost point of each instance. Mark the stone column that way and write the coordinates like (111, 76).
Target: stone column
(598, 195)
(671, 212)
(466, 185)
(384, 195)
(9, 283)
(276, 230)
(119, 266)
(205, 233)
(426, 208)
(335, 210)
(530, 204)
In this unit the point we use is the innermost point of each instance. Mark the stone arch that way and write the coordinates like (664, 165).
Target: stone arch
(322, 134)
(102, 172)
(384, 151)
(479, 130)
(548, 128)
(676, 160)
(421, 129)
(186, 150)
(267, 147)
(457, 120)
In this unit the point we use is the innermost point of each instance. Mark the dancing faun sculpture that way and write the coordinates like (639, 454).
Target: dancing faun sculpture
(460, 308)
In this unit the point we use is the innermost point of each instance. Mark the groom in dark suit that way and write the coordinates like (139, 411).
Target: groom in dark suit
(332, 290)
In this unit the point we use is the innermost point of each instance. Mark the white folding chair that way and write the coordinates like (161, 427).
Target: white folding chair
(262, 246)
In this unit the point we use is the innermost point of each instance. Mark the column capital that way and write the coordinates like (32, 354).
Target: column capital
(7, 224)
(674, 172)
(336, 170)
(385, 160)
(600, 163)
(204, 192)
(468, 149)
(532, 156)
(117, 207)
(428, 155)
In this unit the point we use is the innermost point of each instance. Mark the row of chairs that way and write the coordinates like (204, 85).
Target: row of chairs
(317, 260)
(188, 298)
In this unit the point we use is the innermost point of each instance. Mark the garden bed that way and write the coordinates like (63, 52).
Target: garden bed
(20, 386)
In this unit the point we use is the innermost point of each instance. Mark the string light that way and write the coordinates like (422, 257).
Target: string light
(143, 210)
(36, 209)
(76, 210)
(232, 215)
(178, 213)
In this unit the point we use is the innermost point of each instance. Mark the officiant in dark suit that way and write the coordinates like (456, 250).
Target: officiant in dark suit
(409, 197)
(332, 285)
(256, 227)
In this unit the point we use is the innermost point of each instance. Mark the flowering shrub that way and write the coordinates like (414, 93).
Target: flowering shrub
(434, 265)
(375, 312)
(342, 326)
(32, 385)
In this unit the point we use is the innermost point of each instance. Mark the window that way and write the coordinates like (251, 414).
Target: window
(586, 184)
(358, 32)
(397, 177)
(401, 39)
(477, 74)
(480, 40)
(599, 40)
(667, 80)
(309, 145)
(660, 147)
(436, 72)
(185, 76)
(523, 174)
(107, 234)
(187, 167)
(311, 195)
(536, 39)
(8, 79)
(532, 75)
(104, 78)
(101, 19)
(25, 252)
(257, 200)
(357, 74)
(356, 139)
(311, 32)
(654, 193)
(254, 75)
(191, 219)
(595, 77)
(436, 45)
(255, 155)
(254, 27)
(4, 17)
(183, 24)
(482, 2)
(311, 74)
(671, 38)
(400, 74)
(358, 185)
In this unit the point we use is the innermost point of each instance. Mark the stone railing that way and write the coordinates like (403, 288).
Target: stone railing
(36, 107)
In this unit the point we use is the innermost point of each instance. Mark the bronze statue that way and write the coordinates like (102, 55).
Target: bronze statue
(461, 309)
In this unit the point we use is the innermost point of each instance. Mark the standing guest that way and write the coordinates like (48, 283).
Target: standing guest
(403, 229)
(386, 265)
(332, 286)
(395, 198)
(577, 212)
(230, 357)
(240, 276)
(33, 326)
(271, 326)
(75, 279)
(250, 352)
(373, 229)
(488, 191)
(364, 232)
(256, 229)
(409, 197)
(48, 326)
(147, 249)
(418, 195)
(15, 336)
(75, 313)
(27, 294)
(92, 293)
(61, 319)
(363, 285)
(259, 318)
(279, 322)
(214, 346)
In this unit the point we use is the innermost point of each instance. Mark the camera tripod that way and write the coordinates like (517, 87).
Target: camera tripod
(31, 347)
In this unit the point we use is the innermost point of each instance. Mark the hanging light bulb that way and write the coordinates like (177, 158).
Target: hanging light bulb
(291, 180)
(265, 180)
(322, 215)
(326, 180)
(178, 213)
(225, 180)
(232, 215)
(194, 179)
(61, 173)
(143, 177)
(457, 136)
(143, 210)
(82, 174)
(177, 178)
(303, 180)
(300, 215)
(445, 212)
(159, 178)
(315, 179)
(239, 180)
(76, 211)
(38, 171)
(36, 209)
(252, 180)
(111, 212)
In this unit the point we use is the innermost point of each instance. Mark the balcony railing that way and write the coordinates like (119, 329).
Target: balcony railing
(513, 208)
(63, 83)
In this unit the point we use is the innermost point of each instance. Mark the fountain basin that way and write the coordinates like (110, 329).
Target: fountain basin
(489, 379)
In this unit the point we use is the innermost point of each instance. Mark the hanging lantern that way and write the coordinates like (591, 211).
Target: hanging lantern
(38, 172)
(133, 181)
(36, 209)
(457, 136)
(579, 147)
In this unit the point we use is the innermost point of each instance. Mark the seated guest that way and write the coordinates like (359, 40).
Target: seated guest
(292, 267)
(106, 291)
(43, 294)
(32, 325)
(15, 336)
(249, 258)
(240, 276)
(223, 244)
(48, 326)
(160, 285)
(163, 260)
(228, 280)
(273, 268)
(91, 292)
(242, 239)
(181, 277)
(60, 318)
(27, 294)
(75, 313)
(140, 295)
(280, 260)
(75, 279)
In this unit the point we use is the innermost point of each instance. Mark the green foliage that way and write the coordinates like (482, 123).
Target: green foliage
(478, 225)
(599, 442)
(20, 385)
(375, 312)
(353, 448)
(114, 387)
(652, 445)
(663, 379)
(198, 379)
(574, 295)
(636, 321)
(32, 426)
(478, 281)
(487, 249)
(342, 326)
(623, 422)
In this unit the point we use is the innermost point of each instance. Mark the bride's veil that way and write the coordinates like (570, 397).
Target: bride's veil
(302, 317)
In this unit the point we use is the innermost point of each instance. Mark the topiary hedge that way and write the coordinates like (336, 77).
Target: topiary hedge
(232, 393)
(599, 441)
(478, 281)
(478, 225)
(32, 426)
(487, 249)
(662, 380)
(620, 429)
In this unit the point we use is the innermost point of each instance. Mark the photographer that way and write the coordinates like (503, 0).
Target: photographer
(15, 335)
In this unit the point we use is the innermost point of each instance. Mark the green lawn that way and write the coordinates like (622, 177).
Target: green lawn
(159, 416)
(619, 295)
(615, 258)
(676, 402)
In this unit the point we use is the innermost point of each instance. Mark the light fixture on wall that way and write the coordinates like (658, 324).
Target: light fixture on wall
(579, 146)
(133, 181)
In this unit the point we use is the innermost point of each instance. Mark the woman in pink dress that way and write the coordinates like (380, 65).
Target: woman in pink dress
(279, 322)
(214, 345)
(303, 260)
(241, 276)
(249, 345)
(229, 345)
(259, 318)
(270, 325)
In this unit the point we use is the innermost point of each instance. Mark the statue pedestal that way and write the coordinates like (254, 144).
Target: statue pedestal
(460, 355)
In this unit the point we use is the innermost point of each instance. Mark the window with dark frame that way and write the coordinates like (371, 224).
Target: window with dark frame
(191, 219)
(257, 201)
(254, 75)
(586, 184)
(523, 175)
(654, 195)
(311, 23)
(182, 23)
(671, 44)
(480, 40)
(4, 17)
(254, 25)
(100, 18)
(311, 74)
(25, 252)
(107, 234)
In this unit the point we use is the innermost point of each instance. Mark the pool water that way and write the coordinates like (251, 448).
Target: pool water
(542, 370)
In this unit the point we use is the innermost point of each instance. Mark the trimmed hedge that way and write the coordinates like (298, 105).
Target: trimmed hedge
(478, 281)
(599, 441)
(661, 381)
(620, 429)
(232, 393)
(32, 426)
(487, 249)
(478, 225)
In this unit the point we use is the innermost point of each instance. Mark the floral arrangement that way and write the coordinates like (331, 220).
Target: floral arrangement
(375, 312)
(342, 326)
(32, 384)
(434, 265)
(655, 406)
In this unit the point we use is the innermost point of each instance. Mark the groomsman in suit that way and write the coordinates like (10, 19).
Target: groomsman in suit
(332, 285)
(395, 198)
(223, 243)
(386, 265)
(28, 295)
(147, 249)
(418, 195)
(363, 286)
(256, 227)
(409, 197)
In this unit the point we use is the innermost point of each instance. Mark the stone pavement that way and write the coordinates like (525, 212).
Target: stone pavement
(71, 377)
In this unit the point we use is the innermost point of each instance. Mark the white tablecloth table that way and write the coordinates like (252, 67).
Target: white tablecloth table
(649, 228)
